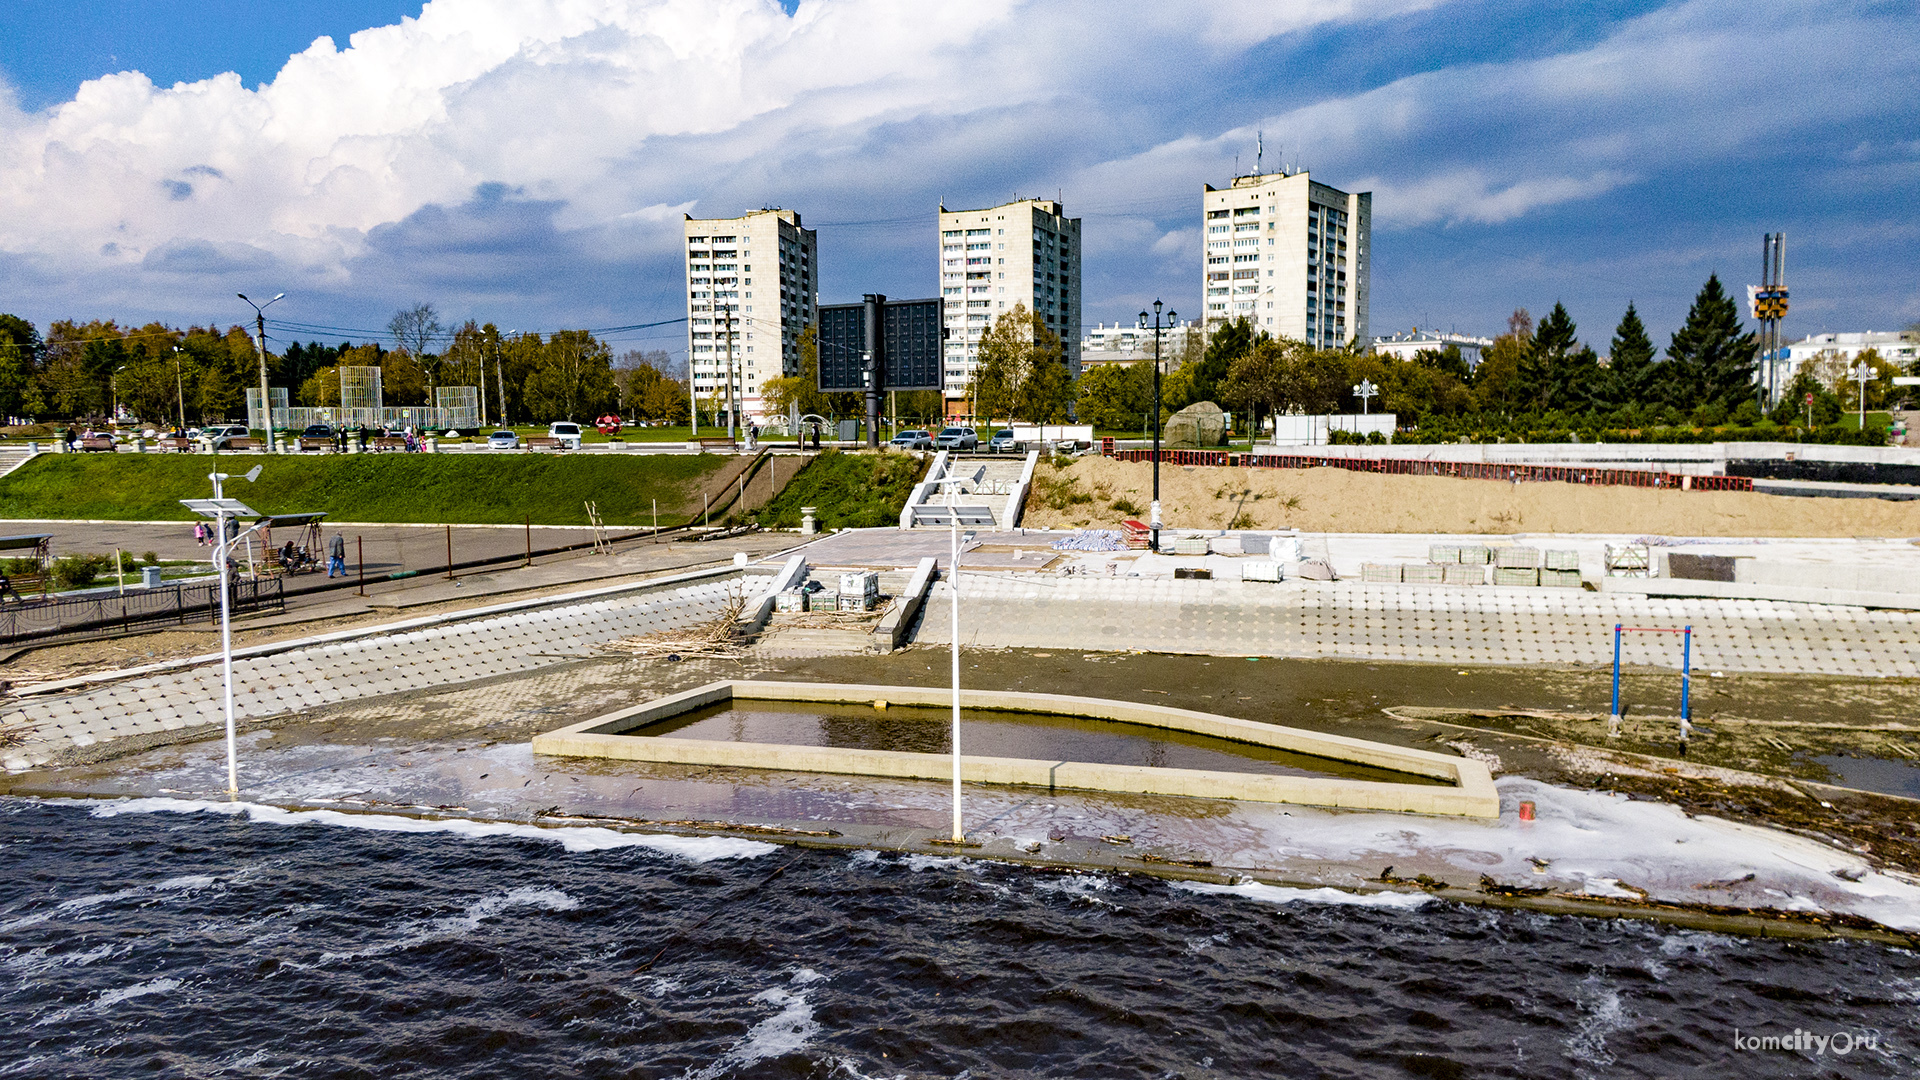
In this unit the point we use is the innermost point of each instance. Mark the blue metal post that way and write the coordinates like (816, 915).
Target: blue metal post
(1686, 680)
(1616, 671)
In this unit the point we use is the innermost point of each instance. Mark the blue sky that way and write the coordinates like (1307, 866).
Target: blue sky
(527, 161)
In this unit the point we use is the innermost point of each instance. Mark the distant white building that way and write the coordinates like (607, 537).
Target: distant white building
(1403, 346)
(1288, 254)
(1124, 343)
(1896, 348)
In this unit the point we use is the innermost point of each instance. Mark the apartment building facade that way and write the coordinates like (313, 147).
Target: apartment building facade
(1022, 252)
(732, 335)
(1289, 253)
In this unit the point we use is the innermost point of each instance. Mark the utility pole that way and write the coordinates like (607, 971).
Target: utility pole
(500, 380)
(481, 363)
(729, 368)
(180, 389)
(260, 341)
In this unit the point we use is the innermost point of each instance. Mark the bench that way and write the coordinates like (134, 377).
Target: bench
(99, 444)
(542, 442)
(388, 442)
(717, 444)
(315, 444)
(242, 444)
(180, 446)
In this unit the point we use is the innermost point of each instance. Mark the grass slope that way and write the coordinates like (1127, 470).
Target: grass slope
(851, 491)
(451, 489)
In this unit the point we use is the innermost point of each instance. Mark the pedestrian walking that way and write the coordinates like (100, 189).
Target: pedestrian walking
(337, 555)
(199, 534)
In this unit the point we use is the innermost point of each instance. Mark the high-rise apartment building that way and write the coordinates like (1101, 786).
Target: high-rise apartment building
(1289, 254)
(1022, 252)
(728, 330)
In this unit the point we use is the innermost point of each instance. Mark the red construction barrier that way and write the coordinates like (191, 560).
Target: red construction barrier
(1466, 470)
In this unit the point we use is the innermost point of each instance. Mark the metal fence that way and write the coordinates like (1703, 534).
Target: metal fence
(172, 605)
(1474, 470)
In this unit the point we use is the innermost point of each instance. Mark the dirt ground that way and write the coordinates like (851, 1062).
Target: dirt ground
(1101, 493)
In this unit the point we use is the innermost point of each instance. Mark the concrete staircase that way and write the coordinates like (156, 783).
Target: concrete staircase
(989, 493)
(12, 457)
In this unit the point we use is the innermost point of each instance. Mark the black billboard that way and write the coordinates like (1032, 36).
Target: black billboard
(907, 348)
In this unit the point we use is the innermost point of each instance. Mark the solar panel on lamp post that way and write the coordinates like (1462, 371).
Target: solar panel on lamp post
(218, 508)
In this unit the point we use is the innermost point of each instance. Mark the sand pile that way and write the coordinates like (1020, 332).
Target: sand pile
(1335, 500)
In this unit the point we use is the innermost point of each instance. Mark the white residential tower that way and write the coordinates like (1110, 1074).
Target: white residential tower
(728, 330)
(1289, 254)
(1022, 252)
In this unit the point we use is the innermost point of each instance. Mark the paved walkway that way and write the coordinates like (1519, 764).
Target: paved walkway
(1438, 624)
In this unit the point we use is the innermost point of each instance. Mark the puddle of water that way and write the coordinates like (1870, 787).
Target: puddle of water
(992, 733)
(1869, 774)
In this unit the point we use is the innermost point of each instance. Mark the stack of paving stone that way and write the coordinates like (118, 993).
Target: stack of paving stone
(859, 591)
(1424, 574)
(1561, 570)
(1516, 566)
(1380, 573)
(1191, 544)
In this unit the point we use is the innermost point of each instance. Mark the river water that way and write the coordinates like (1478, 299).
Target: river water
(160, 938)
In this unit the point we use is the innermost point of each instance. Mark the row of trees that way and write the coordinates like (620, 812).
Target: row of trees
(84, 370)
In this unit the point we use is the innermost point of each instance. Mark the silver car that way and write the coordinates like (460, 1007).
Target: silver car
(1003, 442)
(503, 440)
(957, 438)
(912, 440)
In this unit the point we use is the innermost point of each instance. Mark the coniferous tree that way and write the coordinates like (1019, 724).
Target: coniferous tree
(1630, 362)
(1230, 342)
(1716, 359)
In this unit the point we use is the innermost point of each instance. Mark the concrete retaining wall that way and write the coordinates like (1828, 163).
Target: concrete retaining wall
(1471, 792)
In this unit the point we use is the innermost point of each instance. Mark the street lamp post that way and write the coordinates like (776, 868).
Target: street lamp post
(1860, 374)
(260, 342)
(954, 543)
(180, 390)
(218, 508)
(1365, 390)
(1157, 328)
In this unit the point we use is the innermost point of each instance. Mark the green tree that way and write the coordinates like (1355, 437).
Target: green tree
(1556, 371)
(19, 362)
(1257, 380)
(1497, 382)
(1116, 396)
(572, 379)
(1022, 370)
(1630, 366)
(320, 390)
(1715, 358)
(1228, 342)
(1447, 361)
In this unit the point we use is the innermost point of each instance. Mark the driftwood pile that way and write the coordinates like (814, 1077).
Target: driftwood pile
(718, 638)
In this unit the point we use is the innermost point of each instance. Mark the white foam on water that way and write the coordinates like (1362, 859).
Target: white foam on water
(108, 999)
(574, 839)
(465, 923)
(1604, 1015)
(917, 863)
(1084, 888)
(785, 1032)
(1281, 894)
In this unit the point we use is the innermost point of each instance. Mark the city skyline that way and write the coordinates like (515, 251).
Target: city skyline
(448, 155)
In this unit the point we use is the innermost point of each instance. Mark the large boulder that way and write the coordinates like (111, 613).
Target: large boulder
(1200, 424)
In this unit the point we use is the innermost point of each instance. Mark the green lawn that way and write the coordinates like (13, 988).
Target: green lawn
(851, 490)
(452, 489)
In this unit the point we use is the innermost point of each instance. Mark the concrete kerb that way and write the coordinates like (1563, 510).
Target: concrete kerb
(893, 626)
(761, 609)
(1471, 795)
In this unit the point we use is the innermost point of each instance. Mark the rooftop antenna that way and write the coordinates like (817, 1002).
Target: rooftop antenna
(1259, 150)
(1236, 164)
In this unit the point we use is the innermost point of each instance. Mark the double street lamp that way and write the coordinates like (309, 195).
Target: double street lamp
(260, 342)
(1157, 327)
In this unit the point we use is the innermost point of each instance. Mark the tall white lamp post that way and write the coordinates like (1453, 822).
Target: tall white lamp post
(218, 508)
(954, 543)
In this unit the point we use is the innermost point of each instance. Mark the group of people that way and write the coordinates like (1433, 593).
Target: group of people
(292, 557)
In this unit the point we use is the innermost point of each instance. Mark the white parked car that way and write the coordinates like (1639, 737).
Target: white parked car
(567, 432)
(503, 440)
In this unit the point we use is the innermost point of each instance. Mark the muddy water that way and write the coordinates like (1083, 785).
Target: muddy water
(991, 733)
